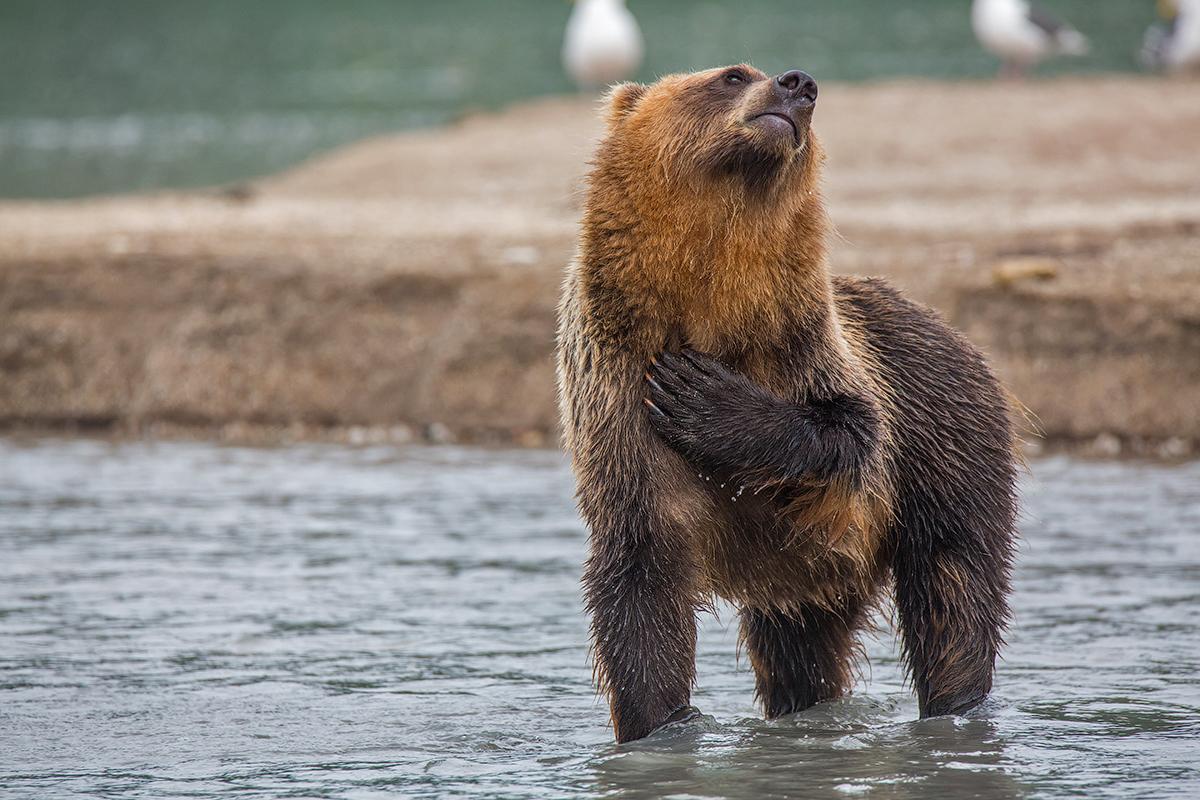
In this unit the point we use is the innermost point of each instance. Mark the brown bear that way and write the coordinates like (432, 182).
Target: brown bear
(744, 425)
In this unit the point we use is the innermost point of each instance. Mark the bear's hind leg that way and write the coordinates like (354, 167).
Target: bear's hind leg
(952, 585)
(801, 657)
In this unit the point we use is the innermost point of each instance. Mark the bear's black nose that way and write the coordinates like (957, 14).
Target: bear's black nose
(797, 85)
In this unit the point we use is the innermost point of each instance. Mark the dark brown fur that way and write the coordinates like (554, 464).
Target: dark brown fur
(803, 438)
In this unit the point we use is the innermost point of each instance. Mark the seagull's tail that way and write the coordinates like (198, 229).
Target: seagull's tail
(1072, 42)
(1154, 47)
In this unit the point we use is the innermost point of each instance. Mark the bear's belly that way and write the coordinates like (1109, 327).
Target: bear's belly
(761, 554)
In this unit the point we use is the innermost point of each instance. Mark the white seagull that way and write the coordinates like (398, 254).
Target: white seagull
(1174, 47)
(1022, 35)
(603, 43)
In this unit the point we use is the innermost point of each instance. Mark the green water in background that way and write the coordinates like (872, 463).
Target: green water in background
(119, 95)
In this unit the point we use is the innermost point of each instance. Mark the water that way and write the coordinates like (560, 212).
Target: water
(186, 620)
(141, 94)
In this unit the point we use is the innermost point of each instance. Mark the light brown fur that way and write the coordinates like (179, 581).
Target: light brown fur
(706, 231)
(705, 270)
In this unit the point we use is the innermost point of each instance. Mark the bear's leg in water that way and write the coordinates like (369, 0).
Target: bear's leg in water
(952, 583)
(643, 631)
(801, 657)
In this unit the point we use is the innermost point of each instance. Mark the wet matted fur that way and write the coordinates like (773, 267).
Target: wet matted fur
(744, 425)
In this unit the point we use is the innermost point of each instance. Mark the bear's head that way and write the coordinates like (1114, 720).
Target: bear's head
(731, 125)
(704, 201)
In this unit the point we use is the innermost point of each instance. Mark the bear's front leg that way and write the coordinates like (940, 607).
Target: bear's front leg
(641, 581)
(721, 421)
(643, 626)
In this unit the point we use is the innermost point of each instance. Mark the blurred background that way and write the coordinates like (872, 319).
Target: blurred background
(281, 509)
(348, 220)
(139, 94)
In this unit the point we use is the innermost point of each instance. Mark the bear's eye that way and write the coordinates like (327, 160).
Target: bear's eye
(734, 78)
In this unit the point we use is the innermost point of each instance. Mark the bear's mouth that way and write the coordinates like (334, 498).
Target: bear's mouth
(769, 118)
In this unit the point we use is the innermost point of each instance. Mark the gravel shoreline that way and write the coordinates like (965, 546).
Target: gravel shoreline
(404, 288)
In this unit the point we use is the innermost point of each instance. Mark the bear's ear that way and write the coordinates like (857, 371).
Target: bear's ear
(622, 99)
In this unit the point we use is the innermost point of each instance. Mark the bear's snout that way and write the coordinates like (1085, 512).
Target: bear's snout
(796, 87)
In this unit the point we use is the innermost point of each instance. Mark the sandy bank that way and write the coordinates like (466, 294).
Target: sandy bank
(406, 286)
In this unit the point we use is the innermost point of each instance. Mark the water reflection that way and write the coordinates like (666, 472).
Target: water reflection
(834, 751)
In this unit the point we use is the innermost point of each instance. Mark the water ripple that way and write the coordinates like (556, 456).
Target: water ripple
(193, 621)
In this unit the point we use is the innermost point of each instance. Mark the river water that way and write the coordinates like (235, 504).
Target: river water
(187, 620)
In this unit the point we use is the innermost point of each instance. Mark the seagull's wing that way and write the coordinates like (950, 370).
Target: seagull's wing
(1051, 25)
(1065, 38)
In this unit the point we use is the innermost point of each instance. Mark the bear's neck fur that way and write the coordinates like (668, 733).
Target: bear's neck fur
(723, 265)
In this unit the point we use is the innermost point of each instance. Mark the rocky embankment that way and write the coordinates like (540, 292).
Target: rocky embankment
(405, 287)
